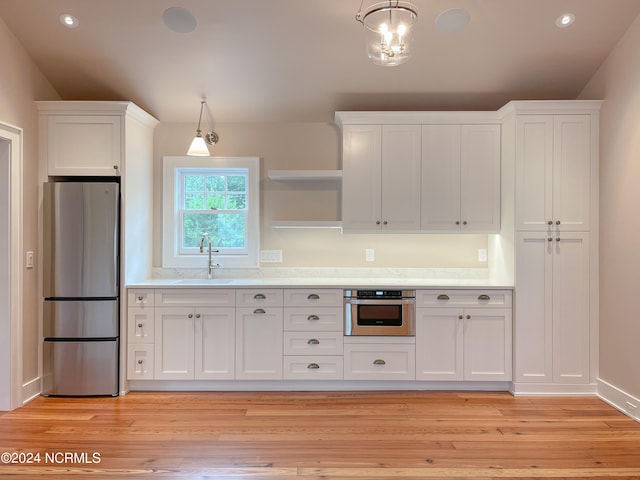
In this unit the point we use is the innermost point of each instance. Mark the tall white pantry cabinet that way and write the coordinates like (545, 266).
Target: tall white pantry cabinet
(556, 218)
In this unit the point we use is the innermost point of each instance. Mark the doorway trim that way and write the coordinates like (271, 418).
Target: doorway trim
(12, 313)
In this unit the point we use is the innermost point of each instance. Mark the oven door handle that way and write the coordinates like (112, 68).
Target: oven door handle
(380, 301)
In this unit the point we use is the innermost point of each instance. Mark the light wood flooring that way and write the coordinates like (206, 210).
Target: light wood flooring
(311, 436)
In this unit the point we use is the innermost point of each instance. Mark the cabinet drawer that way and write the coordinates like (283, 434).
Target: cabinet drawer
(379, 362)
(249, 297)
(140, 325)
(195, 297)
(463, 298)
(140, 297)
(313, 343)
(301, 297)
(313, 319)
(140, 362)
(313, 368)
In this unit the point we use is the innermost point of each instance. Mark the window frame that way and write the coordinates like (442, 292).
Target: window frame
(171, 256)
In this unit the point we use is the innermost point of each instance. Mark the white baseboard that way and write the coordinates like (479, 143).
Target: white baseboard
(620, 400)
(30, 390)
(550, 389)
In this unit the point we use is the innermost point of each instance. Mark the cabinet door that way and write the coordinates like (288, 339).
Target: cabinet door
(534, 171)
(215, 343)
(361, 171)
(487, 344)
(439, 345)
(400, 199)
(259, 343)
(480, 178)
(174, 335)
(571, 172)
(84, 144)
(440, 198)
(571, 308)
(534, 308)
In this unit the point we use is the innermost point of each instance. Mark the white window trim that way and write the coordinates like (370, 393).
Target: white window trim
(170, 256)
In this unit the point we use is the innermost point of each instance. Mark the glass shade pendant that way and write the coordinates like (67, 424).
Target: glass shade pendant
(388, 31)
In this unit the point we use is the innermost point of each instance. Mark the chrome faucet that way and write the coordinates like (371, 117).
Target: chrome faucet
(210, 264)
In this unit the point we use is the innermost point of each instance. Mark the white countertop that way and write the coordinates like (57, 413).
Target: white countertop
(324, 278)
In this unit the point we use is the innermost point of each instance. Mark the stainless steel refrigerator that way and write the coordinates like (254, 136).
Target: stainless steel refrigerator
(80, 285)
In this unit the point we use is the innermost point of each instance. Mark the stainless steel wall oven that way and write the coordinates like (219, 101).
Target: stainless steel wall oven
(380, 312)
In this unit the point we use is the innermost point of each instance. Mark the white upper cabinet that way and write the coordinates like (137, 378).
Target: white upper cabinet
(553, 172)
(460, 178)
(381, 178)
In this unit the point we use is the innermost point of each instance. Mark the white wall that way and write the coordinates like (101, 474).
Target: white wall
(618, 83)
(20, 84)
(313, 146)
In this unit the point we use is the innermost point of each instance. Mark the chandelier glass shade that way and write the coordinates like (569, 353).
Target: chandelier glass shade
(388, 31)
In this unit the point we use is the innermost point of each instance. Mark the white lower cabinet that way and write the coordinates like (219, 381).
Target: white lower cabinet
(140, 361)
(552, 308)
(313, 367)
(464, 343)
(259, 343)
(194, 343)
(379, 361)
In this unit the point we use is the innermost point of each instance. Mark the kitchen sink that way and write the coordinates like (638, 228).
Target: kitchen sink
(202, 281)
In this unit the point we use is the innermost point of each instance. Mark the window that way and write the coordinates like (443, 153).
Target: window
(216, 196)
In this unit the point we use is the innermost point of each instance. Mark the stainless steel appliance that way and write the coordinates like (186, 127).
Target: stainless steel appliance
(380, 312)
(80, 286)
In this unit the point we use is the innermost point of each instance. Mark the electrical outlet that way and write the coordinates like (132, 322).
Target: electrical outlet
(482, 254)
(29, 259)
(369, 254)
(271, 256)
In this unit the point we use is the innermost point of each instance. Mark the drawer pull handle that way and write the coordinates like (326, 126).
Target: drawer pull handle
(443, 297)
(140, 325)
(313, 318)
(313, 296)
(259, 311)
(140, 298)
(259, 296)
(484, 297)
(313, 366)
(313, 341)
(139, 362)
(379, 361)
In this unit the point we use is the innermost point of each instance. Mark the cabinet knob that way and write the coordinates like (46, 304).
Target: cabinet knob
(140, 325)
(385, 222)
(464, 222)
(190, 315)
(313, 341)
(468, 317)
(484, 297)
(377, 222)
(140, 298)
(139, 362)
(550, 222)
(557, 239)
(379, 361)
(115, 167)
(457, 222)
(557, 222)
(313, 318)
(443, 297)
(197, 315)
(460, 317)
(259, 311)
(259, 296)
(313, 366)
(549, 239)
(313, 296)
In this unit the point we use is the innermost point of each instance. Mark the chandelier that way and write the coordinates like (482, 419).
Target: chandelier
(388, 31)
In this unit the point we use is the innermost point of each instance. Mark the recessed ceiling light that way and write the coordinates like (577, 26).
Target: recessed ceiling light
(565, 20)
(452, 20)
(179, 20)
(69, 21)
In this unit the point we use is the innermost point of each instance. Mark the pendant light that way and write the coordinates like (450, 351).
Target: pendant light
(199, 144)
(388, 31)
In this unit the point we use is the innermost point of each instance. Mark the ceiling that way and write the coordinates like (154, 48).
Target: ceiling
(301, 60)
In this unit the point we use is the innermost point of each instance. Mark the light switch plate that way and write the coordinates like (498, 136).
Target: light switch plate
(270, 256)
(482, 254)
(369, 254)
(29, 259)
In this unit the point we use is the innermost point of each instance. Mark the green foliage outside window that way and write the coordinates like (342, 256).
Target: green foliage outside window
(215, 203)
